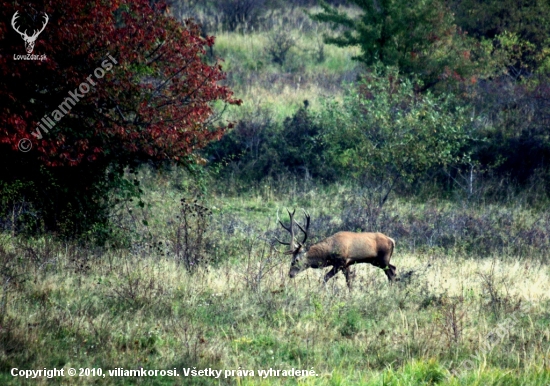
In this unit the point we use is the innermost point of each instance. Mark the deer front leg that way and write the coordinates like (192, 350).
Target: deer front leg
(331, 273)
(349, 274)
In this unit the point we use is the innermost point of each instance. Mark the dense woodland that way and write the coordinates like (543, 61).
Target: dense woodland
(140, 230)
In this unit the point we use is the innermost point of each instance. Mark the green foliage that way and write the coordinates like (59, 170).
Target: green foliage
(349, 325)
(416, 373)
(521, 154)
(528, 19)
(262, 148)
(385, 131)
(65, 201)
(512, 104)
(280, 44)
(70, 169)
(510, 54)
(298, 148)
(16, 210)
(420, 38)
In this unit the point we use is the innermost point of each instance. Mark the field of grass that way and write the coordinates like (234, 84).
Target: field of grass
(453, 318)
(311, 69)
(202, 285)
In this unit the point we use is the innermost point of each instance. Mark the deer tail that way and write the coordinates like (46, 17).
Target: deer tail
(392, 247)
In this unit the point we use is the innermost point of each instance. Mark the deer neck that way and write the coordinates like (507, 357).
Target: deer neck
(316, 258)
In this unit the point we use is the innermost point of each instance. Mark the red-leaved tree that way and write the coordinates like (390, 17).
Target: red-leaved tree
(122, 84)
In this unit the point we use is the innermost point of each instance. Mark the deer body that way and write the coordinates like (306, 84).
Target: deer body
(341, 251)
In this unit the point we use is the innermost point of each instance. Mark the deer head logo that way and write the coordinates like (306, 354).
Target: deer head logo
(29, 40)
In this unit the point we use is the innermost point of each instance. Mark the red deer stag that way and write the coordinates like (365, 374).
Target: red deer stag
(341, 251)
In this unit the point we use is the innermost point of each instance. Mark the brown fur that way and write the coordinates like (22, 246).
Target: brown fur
(344, 249)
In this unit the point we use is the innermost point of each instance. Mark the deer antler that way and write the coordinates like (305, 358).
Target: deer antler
(290, 229)
(283, 225)
(294, 245)
(308, 219)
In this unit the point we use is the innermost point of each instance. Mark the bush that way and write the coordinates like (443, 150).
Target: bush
(386, 134)
(258, 148)
(192, 235)
(280, 44)
(515, 122)
(151, 99)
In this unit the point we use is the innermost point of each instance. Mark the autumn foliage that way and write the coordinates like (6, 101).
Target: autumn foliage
(155, 103)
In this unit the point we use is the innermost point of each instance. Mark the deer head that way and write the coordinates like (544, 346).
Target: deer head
(29, 40)
(297, 249)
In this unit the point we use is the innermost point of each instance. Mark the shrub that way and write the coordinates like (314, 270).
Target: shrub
(386, 134)
(280, 44)
(150, 105)
(258, 148)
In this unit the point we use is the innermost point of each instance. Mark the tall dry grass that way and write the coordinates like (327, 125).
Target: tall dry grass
(69, 305)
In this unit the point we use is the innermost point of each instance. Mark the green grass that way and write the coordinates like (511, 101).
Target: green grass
(131, 304)
(281, 89)
(66, 305)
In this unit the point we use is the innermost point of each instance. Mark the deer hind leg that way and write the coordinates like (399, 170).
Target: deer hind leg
(390, 272)
(383, 262)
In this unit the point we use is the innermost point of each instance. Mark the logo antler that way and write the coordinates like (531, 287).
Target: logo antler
(29, 40)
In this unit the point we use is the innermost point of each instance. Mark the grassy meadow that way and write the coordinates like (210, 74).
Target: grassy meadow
(309, 71)
(455, 317)
(202, 284)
